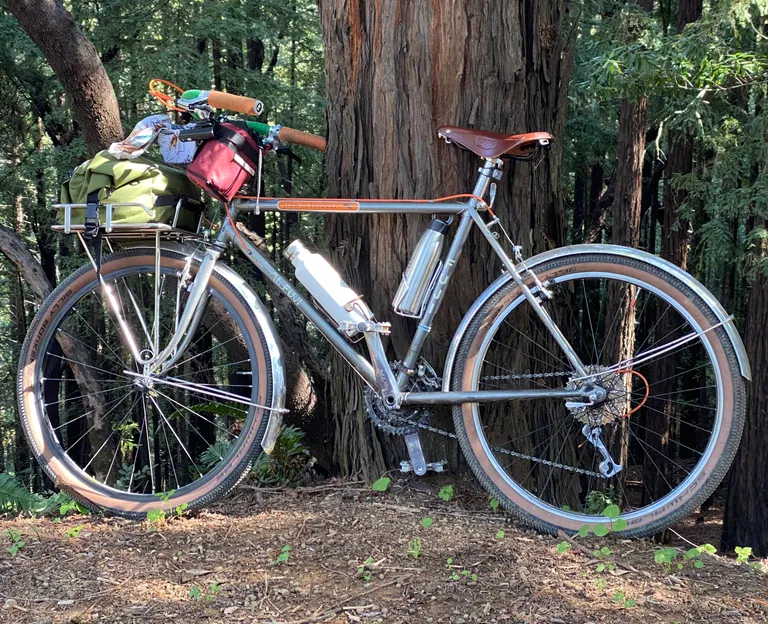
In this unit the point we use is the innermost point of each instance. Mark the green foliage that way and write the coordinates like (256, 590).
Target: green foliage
(446, 493)
(666, 557)
(14, 537)
(365, 571)
(74, 531)
(414, 548)
(209, 595)
(493, 503)
(381, 484)
(500, 534)
(214, 454)
(156, 517)
(457, 573)
(284, 466)
(743, 553)
(620, 598)
(13, 495)
(283, 556)
(427, 522)
(563, 547)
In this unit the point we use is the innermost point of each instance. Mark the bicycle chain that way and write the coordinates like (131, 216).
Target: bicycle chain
(504, 451)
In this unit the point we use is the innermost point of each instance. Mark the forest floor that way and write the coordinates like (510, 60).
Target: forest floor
(221, 565)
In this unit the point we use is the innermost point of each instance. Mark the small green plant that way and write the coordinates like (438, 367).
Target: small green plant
(208, 596)
(612, 512)
(73, 532)
(285, 465)
(458, 572)
(563, 547)
(493, 503)
(666, 557)
(598, 500)
(180, 509)
(156, 517)
(446, 493)
(693, 555)
(365, 571)
(427, 522)
(500, 534)
(381, 484)
(622, 599)
(743, 553)
(16, 542)
(414, 548)
(606, 562)
(71, 505)
(283, 555)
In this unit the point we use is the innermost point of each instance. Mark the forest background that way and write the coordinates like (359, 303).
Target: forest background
(658, 109)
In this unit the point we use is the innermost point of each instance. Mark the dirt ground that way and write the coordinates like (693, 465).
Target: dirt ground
(221, 565)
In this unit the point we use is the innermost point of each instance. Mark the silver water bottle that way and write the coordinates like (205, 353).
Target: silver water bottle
(414, 288)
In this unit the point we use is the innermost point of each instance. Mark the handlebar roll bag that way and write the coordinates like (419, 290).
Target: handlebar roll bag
(226, 163)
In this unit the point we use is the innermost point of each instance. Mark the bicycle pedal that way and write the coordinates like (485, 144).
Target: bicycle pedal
(405, 466)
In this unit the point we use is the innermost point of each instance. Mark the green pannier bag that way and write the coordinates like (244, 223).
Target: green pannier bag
(140, 181)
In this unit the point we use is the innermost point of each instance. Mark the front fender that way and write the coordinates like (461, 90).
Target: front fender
(628, 252)
(252, 300)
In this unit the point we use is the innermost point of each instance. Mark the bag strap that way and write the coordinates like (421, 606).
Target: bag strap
(92, 230)
(237, 143)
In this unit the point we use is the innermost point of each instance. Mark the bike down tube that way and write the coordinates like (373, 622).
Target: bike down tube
(362, 366)
(557, 334)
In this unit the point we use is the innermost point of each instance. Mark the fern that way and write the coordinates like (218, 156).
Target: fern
(213, 454)
(13, 495)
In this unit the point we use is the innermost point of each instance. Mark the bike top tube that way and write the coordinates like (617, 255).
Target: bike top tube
(349, 206)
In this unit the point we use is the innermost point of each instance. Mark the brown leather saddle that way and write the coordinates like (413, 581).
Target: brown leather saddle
(495, 144)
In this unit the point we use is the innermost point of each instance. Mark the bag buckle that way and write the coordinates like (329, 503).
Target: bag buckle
(91, 222)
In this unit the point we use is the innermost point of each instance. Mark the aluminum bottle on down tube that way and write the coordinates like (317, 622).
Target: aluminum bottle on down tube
(415, 286)
(324, 283)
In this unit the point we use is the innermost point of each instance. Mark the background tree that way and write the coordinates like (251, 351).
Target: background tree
(394, 74)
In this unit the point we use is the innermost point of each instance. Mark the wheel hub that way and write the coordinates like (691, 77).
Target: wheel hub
(607, 396)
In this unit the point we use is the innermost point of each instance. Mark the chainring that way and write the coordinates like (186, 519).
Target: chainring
(401, 421)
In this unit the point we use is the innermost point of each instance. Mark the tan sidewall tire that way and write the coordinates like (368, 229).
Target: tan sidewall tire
(543, 517)
(35, 424)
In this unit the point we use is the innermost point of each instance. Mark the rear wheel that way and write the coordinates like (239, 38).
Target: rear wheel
(117, 441)
(672, 418)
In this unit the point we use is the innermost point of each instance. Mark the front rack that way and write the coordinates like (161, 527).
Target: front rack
(125, 229)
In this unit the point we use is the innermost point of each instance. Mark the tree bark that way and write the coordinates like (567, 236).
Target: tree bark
(76, 64)
(674, 247)
(746, 509)
(395, 72)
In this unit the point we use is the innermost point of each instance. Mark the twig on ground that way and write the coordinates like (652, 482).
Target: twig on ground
(585, 551)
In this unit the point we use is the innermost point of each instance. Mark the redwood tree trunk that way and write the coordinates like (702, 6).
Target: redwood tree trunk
(746, 510)
(76, 64)
(395, 72)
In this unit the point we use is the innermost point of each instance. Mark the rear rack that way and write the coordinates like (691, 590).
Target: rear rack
(124, 229)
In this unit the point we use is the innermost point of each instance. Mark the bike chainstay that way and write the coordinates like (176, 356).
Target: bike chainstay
(504, 451)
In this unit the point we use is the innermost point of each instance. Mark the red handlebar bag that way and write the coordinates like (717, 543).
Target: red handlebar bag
(225, 163)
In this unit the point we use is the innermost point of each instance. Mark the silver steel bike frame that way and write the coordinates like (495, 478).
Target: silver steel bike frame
(376, 371)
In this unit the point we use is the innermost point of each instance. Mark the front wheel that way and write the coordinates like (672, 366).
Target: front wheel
(125, 443)
(672, 416)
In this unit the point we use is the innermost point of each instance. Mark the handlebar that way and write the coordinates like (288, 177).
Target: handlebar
(195, 98)
(235, 103)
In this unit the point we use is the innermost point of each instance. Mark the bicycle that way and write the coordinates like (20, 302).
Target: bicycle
(586, 376)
